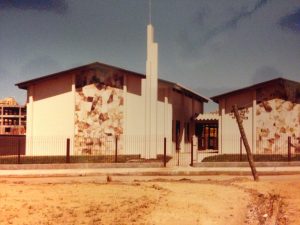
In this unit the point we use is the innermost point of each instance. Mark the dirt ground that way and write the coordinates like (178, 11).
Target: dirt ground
(150, 200)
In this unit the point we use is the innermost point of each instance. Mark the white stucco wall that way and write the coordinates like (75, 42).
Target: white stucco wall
(164, 119)
(135, 114)
(171, 106)
(229, 131)
(50, 118)
(135, 106)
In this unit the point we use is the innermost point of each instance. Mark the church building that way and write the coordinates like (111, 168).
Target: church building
(98, 100)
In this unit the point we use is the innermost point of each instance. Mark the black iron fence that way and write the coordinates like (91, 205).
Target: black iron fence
(108, 149)
(136, 149)
(266, 150)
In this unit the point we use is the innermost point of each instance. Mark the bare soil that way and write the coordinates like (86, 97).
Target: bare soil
(193, 200)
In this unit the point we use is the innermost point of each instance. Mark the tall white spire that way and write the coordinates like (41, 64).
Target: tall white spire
(151, 91)
(150, 12)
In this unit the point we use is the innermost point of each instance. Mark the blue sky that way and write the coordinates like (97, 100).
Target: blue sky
(209, 46)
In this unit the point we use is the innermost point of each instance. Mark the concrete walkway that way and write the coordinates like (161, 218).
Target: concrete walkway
(169, 171)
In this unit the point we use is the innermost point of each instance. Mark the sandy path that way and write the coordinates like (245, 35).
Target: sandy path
(91, 201)
(200, 204)
(138, 203)
(75, 203)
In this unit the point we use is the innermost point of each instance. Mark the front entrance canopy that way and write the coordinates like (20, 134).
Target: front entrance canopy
(207, 116)
(207, 131)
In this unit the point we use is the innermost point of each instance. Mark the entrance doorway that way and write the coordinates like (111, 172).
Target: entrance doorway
(207, 134)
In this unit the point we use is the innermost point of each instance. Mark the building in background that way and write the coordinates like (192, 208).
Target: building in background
(270, 112)
(12, 117)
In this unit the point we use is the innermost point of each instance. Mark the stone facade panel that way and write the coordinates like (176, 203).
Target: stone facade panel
(98, 111)
(277, 118)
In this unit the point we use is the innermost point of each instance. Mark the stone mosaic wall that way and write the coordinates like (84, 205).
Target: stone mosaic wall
(98, 111)
(277, 117)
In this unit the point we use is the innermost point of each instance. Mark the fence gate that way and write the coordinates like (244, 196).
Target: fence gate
(181, 157)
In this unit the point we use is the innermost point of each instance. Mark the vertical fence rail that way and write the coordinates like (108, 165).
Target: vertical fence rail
(116, 149)
(19, 151)
(289, 149)
(165, 152)
(241, 149)
(68, 151)
(192, 152)
(178, 156)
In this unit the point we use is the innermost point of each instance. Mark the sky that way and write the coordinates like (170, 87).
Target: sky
(210, 46)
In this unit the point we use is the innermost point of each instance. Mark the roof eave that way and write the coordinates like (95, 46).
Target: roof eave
(194, 94)
(24, 85)
(255, 86)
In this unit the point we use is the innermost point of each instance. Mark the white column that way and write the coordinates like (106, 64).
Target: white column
(151, 94)
(144, 152)
(125, 105)
(165, 112)
(72, 140)
(29, 122)
(182, 125)
(221, 125)
(170, 146)
(125, 114)
(254, 123)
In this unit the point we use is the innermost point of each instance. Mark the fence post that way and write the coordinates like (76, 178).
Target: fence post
(178, 161)
(165, 152)
(192, 152)
(19, 151)
(68, 151)
(289, 148)
(116, 149)
(241, 149)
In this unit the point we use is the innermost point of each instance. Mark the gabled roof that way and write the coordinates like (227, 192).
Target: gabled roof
(253, 87)
(178, 87)
(25, 84)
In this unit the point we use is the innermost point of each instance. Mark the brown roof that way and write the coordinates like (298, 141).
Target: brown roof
(25, 84)
(255, 86)
(178, 87)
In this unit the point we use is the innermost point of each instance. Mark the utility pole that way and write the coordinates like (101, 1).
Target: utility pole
(245, 141)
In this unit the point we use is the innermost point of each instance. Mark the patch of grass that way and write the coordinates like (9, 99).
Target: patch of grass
(243, 158)
(75, 159)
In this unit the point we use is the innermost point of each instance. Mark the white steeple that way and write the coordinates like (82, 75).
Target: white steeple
(151, 91)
